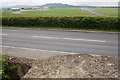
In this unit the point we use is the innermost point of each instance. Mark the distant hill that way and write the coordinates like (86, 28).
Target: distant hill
(57, 5)
(45, 5)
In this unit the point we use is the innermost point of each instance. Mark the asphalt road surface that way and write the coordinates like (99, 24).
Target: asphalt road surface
(92, 12)
(17, 12)
(65, 41)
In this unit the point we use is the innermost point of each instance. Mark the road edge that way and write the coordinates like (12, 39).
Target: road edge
(87, 31)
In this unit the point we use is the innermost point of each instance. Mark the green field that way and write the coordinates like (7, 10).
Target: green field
(64, 12)
(107, 11)
(51, 12)
(0, 13)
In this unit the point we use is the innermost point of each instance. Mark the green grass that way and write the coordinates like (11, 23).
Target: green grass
(60, 12)
(107, 11)
(0, 13)
(64, 12)
(57, 28)
(51, 12)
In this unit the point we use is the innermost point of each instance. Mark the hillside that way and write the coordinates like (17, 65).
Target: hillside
(57, 5)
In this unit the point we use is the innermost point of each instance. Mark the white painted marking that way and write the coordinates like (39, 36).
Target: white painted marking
(69, 39)
(95, 55)
(3, 34)
(15, 30)
(40, 50)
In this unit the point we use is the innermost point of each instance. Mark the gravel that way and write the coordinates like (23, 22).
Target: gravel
(75, 66)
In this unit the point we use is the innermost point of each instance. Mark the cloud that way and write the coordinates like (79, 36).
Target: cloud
(59, 1)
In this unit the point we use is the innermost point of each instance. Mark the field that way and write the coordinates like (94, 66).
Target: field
(63, 12)
(107, 11)
(0, 13)
(51, 12)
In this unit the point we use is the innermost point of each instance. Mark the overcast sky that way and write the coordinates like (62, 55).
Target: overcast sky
(73, 2)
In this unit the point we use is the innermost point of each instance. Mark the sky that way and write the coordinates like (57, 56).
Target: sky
(72, 2)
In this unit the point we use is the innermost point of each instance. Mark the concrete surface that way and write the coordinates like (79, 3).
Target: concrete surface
(30, 53)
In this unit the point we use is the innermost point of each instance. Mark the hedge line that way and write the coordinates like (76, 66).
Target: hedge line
(100, 23)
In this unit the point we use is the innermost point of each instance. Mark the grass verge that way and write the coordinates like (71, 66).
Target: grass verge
(55, 28)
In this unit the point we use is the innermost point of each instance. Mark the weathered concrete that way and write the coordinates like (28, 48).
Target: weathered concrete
(29, 53)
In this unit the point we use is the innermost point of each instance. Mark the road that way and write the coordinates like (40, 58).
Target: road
(92, 12)
(65, 41)
(18, 12)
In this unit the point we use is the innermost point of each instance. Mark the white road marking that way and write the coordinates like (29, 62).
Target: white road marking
(69, 39)
(40, 50)
(3, 34)
(15, 30)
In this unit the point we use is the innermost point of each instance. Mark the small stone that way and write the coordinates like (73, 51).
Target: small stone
(10, 58)
(35, 67)
(109, 64)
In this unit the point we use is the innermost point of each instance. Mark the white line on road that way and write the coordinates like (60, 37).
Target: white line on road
(3, 34)
(69, 39)
(15, 30)
(40, 50)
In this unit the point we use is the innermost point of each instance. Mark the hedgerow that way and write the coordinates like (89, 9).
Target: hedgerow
(99, 23)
